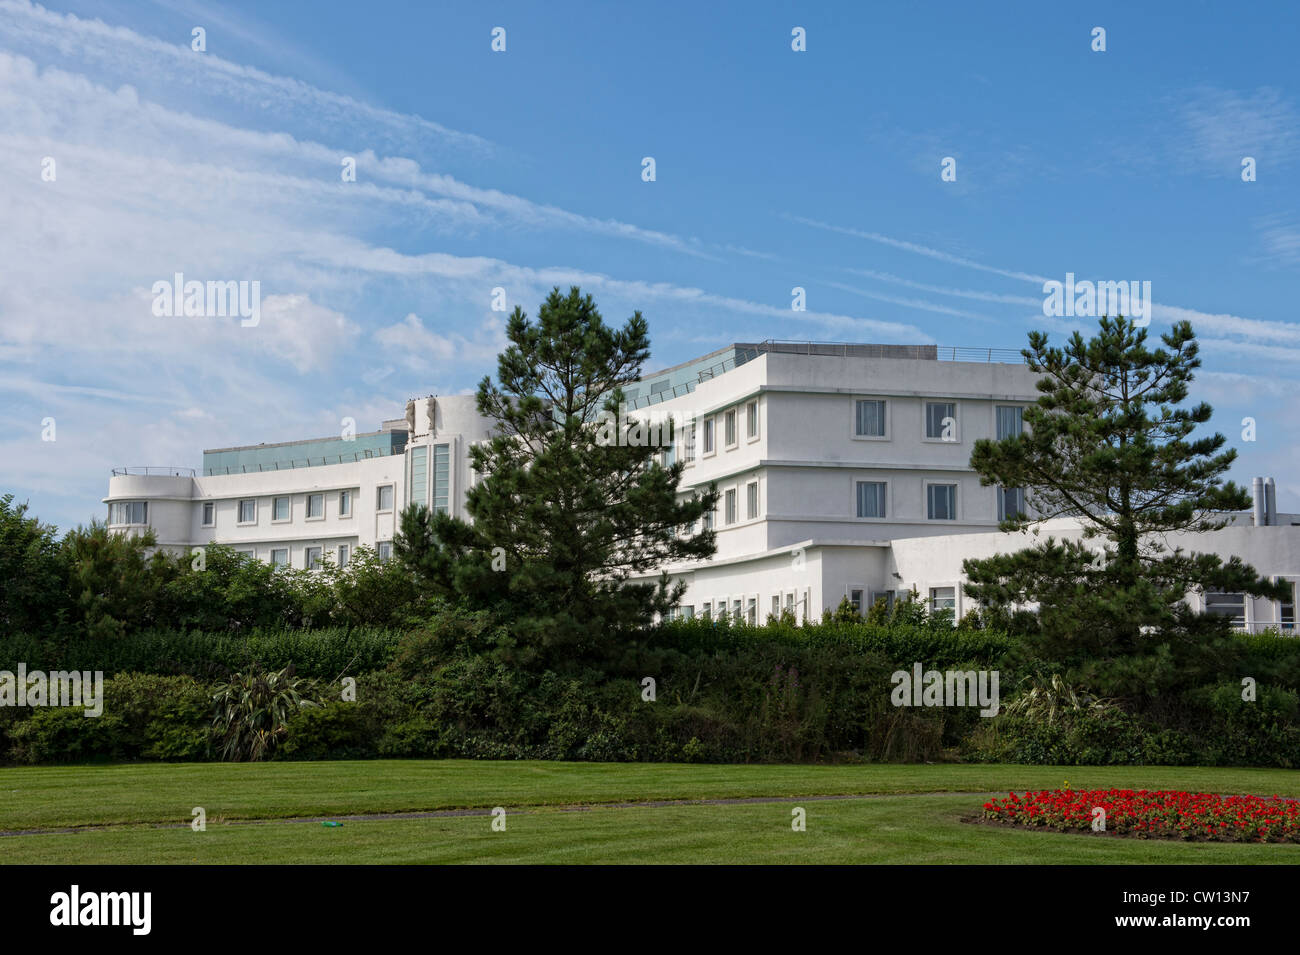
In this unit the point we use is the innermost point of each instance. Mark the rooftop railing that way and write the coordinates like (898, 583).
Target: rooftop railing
(154, 472)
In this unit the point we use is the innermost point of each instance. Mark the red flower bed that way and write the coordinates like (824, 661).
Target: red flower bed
(1155, 815)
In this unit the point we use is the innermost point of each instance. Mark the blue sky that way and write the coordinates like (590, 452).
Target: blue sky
(522, 169)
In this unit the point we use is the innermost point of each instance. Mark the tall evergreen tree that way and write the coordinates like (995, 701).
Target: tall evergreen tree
(561, 517)
(1109, 444)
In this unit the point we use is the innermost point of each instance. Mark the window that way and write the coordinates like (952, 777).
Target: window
(344, 553)
(384, 549)
(311, 557)
(869, 418)
(708, 520)
(1229, 605)
(279, 557)
(419, 474)
(441, 470)
(751, 419)
(1011, 501)
(776, 605)
(943, 598)
(209, 514)
(345, 503)
(886, 595)
(855, 600)
(751, 500)
(941, 502)
(708, 435)
(248, 511)
(1010, 421)
(245, 552)
(315, 506)
(384, 498)
(941, 420)
(735, 610)
(688, 612)
(789, 602)
(731, 506)
(751, 612)
(706, 610)
(280, 509)
(128, 512)
(871, 499)
(688, 453)
(729, 430)
(1286, 610)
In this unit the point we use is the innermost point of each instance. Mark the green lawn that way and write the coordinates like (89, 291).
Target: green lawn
(890, 827)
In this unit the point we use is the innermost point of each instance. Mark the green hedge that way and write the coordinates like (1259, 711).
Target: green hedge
(323, 654)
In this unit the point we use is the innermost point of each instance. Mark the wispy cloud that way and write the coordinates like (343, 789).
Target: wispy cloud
(916, 303)
(947, 290)
(937, 254)
(1223, 126)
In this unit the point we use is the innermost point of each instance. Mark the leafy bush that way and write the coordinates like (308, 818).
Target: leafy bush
(253, 708)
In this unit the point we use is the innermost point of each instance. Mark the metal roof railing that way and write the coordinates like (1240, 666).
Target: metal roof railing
(154, 471)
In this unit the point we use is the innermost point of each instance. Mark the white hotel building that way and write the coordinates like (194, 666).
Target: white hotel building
(843, 471)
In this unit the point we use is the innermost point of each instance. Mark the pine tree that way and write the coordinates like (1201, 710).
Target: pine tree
(562, 518)
(1109, 443)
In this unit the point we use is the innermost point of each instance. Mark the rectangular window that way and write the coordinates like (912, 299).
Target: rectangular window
(708, 520)
(688, 453)
(248, 511)
(688, 612)
(731, 506)
(384, 549)
(1011, 421)
(871, 499)
(128, 512)
(344, 553)
(311, 558)
(751, 419)
(869, 418)
(248, 552)
(776, 605)
(941, 420)
(315, 506)
(886, 595)
(735, 610)
(751, 612)
(384, 498)
(209, 514)
(441, 477)
(279, 557)
(751, 500)
(1011, 501)
(1286, 610)
(729, 431)
(941, 502)
(708, 435)
(789, 602)
(345, 503)
(706, 610)
(280, 509)
(943, 598)
(420, 475)
(1228, 605)
(855, 600)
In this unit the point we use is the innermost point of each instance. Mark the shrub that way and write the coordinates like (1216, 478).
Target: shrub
(253, 708)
